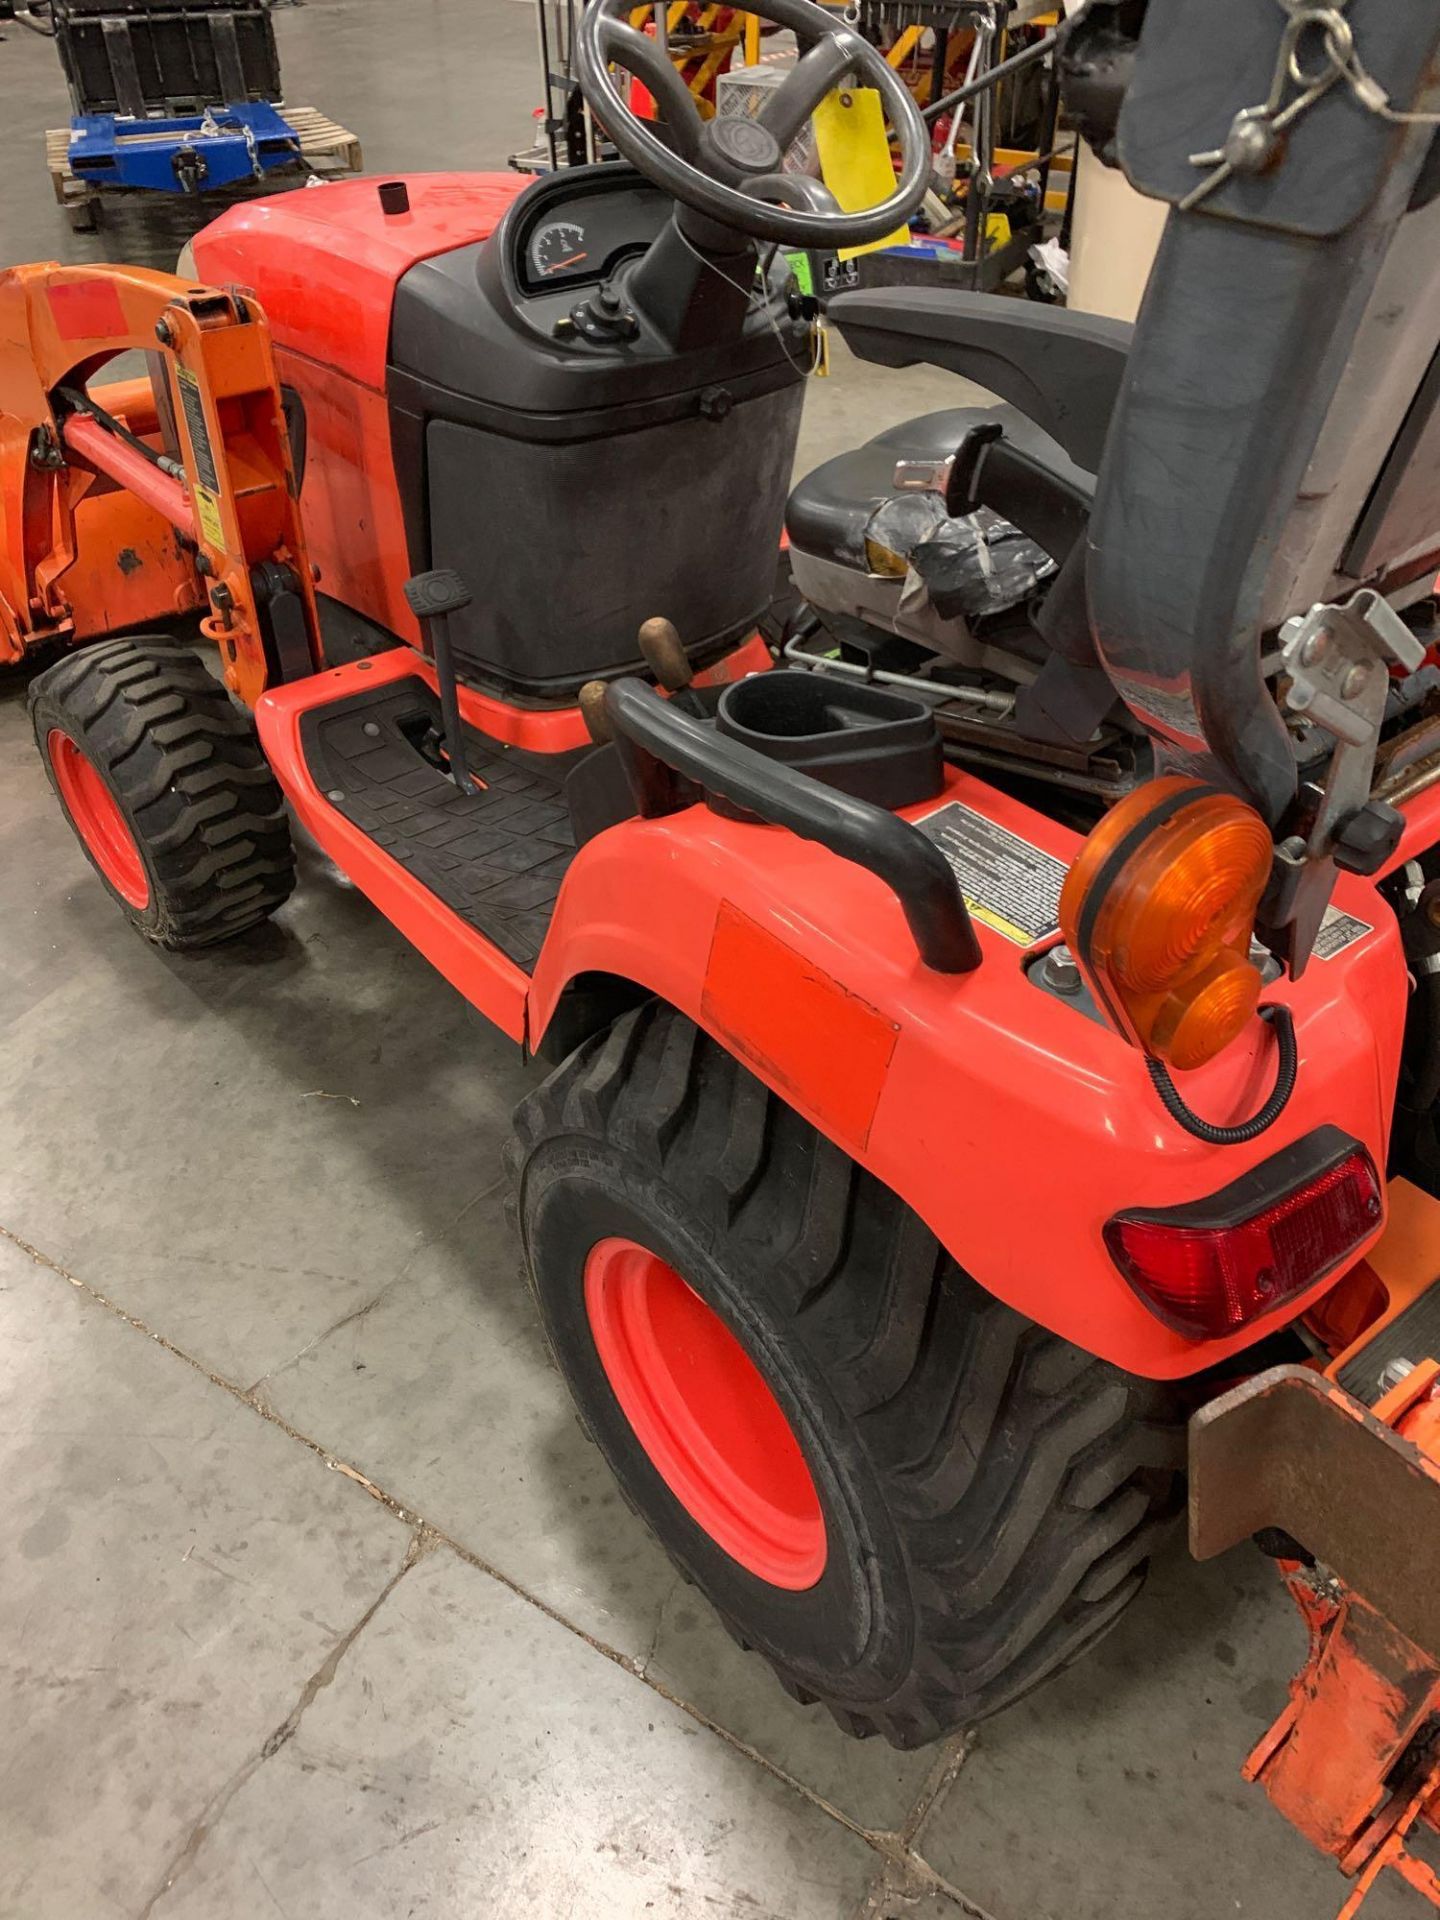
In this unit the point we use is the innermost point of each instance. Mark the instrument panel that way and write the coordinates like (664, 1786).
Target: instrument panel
(578, 227)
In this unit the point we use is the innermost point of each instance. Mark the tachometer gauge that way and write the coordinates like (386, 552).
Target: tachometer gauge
(557, 248)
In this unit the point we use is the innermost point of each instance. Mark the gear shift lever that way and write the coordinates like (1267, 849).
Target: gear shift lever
(433, 597)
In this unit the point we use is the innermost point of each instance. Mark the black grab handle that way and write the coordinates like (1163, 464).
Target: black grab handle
(656, 742)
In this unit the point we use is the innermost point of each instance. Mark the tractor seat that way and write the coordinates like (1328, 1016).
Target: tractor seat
(831, 509)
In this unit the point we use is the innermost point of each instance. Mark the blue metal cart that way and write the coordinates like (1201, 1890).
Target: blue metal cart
(177, 96)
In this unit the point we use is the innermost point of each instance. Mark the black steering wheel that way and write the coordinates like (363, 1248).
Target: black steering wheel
(730, 169)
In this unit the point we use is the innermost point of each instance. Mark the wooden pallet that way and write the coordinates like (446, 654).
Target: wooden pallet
(325, 146)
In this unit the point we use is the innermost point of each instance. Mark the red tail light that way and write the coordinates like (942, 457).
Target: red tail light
(1210, 1268)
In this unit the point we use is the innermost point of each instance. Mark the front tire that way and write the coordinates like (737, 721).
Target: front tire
(984, 1495)
(163, 780)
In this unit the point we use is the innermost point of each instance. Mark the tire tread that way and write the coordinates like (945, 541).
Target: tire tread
(1028, 1480)
(186, 766)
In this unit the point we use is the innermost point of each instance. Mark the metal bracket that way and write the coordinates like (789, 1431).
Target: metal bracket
(1292, 1450)
(957, 477)
(1338, 659)
(923, 476)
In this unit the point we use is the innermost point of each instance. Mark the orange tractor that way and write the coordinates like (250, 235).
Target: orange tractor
(993, 1014)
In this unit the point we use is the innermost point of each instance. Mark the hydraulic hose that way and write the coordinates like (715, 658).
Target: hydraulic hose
(1281, 1019)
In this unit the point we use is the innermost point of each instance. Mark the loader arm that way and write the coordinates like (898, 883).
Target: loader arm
(187, 477)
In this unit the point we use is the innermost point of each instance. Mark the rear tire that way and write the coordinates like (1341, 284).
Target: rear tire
(164, 782)
(990, 1493)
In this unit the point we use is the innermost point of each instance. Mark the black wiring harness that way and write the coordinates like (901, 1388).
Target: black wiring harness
(1281, 1019)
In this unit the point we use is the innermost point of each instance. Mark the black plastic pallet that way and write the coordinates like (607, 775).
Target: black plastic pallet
(138, 57)
(495, 857)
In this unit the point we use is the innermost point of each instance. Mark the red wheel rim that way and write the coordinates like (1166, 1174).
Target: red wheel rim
(97, 818)
(700, 1408)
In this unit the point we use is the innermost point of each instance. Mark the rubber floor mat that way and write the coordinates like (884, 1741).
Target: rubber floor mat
(496, 857)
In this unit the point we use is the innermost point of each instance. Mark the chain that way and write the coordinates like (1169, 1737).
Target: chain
(1253, 141)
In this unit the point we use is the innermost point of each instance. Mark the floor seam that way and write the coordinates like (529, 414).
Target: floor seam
(941, 1777)
(280, 1736)
(945, 1771)
(360, 1312)
(891, 1845)
(258, 1406)
(883, 1842)
(916, 1878)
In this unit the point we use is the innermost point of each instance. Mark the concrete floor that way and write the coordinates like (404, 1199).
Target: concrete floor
(314, 1600)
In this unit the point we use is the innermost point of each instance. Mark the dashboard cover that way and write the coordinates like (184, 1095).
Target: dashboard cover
(490, 322)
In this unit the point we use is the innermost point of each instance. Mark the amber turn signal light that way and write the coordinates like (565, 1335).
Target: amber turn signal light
(1159, 908)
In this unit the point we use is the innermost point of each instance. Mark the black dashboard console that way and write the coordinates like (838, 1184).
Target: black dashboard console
(583, 475)
(575, 229)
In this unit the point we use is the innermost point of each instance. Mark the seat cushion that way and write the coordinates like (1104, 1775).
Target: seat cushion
(830, 510)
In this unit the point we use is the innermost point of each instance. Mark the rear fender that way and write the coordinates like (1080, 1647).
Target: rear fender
(1010, 1121)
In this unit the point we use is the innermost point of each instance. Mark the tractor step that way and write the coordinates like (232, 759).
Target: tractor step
(495, 856)
(1412, 1336)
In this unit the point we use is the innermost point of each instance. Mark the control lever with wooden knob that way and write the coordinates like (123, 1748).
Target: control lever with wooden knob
(592, 712)
(664, 654)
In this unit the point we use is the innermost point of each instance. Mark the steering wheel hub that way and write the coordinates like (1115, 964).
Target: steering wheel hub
(748, 146)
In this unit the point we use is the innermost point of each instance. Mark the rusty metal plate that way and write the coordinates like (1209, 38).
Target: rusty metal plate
(1290, 1449)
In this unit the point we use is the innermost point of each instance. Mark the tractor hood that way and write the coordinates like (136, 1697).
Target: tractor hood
(325, 263)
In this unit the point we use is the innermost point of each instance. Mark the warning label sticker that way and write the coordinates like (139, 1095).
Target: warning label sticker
(1011, 885)
(207, 512)
(1337, 931)
(199, 433)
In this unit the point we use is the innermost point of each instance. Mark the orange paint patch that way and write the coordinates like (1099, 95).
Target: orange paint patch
(797, 1025)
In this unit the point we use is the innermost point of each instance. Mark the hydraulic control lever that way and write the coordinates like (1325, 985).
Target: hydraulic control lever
(665, 655)
(433, 597)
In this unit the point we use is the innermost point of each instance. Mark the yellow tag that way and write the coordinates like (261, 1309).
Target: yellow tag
(997, 229)
(855, 157)
(820, 360)
(207, 513)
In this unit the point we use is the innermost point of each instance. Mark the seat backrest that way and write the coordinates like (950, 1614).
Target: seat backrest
(1275, 438)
